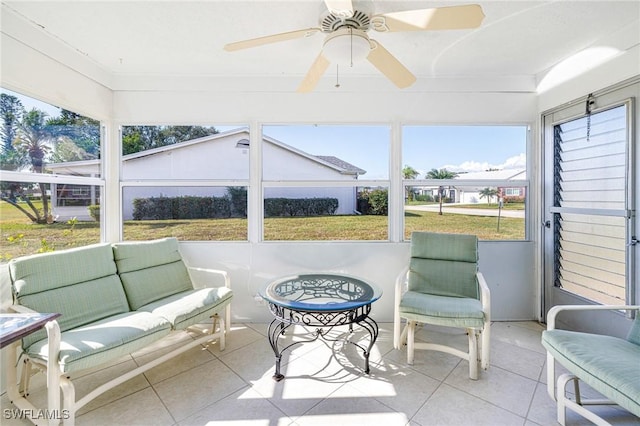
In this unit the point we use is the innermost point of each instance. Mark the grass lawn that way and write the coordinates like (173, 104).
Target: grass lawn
(19, 236)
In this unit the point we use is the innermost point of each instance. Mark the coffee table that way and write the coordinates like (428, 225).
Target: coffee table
(323, 301)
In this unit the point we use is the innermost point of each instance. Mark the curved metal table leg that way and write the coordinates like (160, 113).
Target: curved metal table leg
(276, 328)
(372, 327)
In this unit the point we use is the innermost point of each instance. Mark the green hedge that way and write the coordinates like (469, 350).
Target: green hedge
(277, 207)
(187, 207)
(234, 204)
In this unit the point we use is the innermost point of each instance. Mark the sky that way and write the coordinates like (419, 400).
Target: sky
(455, 148)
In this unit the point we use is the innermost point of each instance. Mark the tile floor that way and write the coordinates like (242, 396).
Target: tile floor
(325, 384)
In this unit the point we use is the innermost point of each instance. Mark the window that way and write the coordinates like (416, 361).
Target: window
(189, 182)
(325, 182)
(39, 211)
(466, 179)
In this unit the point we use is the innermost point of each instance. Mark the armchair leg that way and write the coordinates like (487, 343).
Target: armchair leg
(411, 329)
(485, 335)
(473, 353)
(396, 329)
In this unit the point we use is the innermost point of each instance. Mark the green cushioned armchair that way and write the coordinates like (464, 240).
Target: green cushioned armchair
(442, 286)
(608, 364)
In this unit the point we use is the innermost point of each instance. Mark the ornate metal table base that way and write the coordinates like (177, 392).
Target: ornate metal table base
(324, 322)
(323, 301)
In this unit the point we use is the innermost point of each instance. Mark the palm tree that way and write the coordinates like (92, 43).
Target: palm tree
(440, 174)
(33, 144)
(489, 193)
(409, 172)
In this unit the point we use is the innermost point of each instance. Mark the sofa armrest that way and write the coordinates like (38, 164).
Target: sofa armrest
(21, 309)
(553, 312)
(223, 274)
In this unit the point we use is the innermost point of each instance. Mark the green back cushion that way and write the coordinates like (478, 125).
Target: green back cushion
(444, 264)
(151, 270)
(634, 333)
(69, 282)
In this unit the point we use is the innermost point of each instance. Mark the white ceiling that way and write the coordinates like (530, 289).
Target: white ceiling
(185, 38)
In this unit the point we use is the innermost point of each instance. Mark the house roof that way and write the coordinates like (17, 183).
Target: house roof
(348, 167)
(89, 166)
(506, 174)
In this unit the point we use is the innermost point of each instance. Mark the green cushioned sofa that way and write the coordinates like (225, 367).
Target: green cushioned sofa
(610, 365)
(114, 299)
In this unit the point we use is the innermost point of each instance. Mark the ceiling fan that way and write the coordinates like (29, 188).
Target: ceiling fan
(347, 40)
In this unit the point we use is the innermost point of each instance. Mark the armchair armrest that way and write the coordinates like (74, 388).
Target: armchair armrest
(553, 312)
(485, 296)
(401, 282)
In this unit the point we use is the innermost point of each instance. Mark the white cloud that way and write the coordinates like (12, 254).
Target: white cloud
(516, 162)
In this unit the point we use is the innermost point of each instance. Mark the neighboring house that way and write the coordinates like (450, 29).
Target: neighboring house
(471, 194)
(220, 157)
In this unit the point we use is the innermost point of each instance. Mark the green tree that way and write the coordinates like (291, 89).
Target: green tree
(11, 111)
(489, 193)
(409, 172)
(440, 174)
(142, 138)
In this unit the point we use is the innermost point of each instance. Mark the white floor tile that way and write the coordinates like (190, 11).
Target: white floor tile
(325, 384)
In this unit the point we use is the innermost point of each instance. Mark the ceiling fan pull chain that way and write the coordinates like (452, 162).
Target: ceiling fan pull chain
(337, 81)
(351, 45)
(591, 101)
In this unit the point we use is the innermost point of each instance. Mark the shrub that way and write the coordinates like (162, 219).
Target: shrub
(373, 202)
(94, 212)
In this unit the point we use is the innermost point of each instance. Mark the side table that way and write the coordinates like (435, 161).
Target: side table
(323, 301)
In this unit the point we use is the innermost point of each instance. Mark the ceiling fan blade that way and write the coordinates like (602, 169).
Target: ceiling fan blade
(388, 65)
(314, 74)
(341, 8)
(274, 38)
(439, 18)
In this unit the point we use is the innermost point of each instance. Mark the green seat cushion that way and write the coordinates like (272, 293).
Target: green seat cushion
(442, 310)
(81, 284)
(190, 307)
(151, 270)
(104, 340)
(608, 364)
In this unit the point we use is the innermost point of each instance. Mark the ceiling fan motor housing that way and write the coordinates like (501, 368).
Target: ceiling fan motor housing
(359, 21)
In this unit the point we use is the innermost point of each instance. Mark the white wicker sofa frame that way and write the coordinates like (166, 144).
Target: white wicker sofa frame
(115, 299)
(610, 365)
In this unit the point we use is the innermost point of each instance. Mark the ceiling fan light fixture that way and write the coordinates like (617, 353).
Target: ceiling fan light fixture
(346, 46)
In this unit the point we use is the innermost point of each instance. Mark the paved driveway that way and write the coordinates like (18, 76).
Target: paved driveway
(450, 208)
